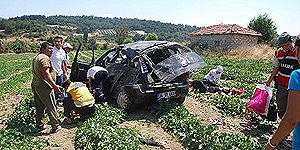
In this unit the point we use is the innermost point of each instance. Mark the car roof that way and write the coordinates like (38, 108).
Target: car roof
(143, 45)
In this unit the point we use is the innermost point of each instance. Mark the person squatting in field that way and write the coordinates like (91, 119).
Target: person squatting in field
(212, 80)
(285, 61)
(79, 100)
(43, 88)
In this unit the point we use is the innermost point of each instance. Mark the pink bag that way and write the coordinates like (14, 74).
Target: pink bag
(260, 100)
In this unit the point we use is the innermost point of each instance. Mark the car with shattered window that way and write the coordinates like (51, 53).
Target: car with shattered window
(144, 72)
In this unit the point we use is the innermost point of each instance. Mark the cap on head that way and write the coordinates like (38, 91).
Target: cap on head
(283, 38)
(67, 45)
(220, 69)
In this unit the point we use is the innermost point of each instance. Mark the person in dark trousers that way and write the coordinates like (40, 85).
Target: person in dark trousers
(285, 61)
(43, 88)
(79, 100)
(96, 75)
(291, 119)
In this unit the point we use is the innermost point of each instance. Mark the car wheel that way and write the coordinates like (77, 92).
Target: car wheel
(123, 101)
(180, 100)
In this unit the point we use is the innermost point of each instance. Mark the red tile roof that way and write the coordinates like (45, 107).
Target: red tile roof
(225, 29)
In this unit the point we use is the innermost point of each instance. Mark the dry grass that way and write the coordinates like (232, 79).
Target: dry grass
(261, 51)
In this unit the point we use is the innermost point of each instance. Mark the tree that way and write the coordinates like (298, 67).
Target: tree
(151, 37)
(127, 40)
(264, 25)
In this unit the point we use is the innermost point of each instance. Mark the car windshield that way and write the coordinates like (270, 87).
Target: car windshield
(178, 64)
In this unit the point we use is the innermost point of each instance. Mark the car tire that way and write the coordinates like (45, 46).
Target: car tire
(180, 100)
(123, 101)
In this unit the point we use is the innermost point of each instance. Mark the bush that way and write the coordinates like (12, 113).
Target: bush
(19, 46)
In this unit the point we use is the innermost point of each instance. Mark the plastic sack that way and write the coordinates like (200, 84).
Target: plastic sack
(260, 100)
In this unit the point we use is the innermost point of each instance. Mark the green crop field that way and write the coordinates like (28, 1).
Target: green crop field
(102, 130)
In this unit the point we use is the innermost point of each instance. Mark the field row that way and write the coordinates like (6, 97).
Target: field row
(106, 134)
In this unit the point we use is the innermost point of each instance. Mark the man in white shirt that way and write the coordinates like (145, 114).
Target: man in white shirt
(57, 58)
(96, 75)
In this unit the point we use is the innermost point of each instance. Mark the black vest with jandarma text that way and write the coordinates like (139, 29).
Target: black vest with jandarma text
(286, 65)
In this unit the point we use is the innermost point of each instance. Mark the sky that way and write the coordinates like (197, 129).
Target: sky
(284, 13)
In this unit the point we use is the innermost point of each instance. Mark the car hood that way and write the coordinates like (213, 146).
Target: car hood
(178, 64)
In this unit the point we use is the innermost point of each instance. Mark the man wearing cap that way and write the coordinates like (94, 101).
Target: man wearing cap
(65, 65)
(297, 44)
(285, 61)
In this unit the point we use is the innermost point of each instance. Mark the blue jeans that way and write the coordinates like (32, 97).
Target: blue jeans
(59, 80)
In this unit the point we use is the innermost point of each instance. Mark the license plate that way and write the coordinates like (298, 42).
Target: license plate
(166, 95)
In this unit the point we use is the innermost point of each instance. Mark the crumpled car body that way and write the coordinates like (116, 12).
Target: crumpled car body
(147, 71)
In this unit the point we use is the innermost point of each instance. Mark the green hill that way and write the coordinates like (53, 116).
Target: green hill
(37, 23)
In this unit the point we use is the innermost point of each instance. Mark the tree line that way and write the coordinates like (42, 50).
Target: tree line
(83, 24)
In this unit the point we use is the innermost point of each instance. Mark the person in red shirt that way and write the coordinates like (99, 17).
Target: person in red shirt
(285, 61)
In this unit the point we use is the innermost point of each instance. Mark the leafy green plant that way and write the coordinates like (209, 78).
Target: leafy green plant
(14, 139)
(195, 135)
(20, 127)
(101, 132)
(22, 118)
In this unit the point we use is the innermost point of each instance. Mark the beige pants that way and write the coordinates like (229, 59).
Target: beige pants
(44, 100)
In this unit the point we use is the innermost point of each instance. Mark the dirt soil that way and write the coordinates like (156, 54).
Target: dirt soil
(62, 140)
(209, 115)
(143, 122)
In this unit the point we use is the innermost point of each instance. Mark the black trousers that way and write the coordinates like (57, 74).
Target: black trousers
(84, 112)
(97, 86)
(211, 87)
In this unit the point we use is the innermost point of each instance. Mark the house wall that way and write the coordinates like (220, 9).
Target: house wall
(224, 42)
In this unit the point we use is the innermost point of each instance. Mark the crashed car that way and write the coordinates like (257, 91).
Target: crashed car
(144, 72)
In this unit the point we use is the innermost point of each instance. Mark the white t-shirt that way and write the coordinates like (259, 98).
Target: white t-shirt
(213, 76)
(57, 57)
(92, 71)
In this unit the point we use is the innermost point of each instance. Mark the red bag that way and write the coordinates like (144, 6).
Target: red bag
(260, 100)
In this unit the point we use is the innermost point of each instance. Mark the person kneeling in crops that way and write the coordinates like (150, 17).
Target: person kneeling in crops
(212, 80)
(79, 100)
(96, 76)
